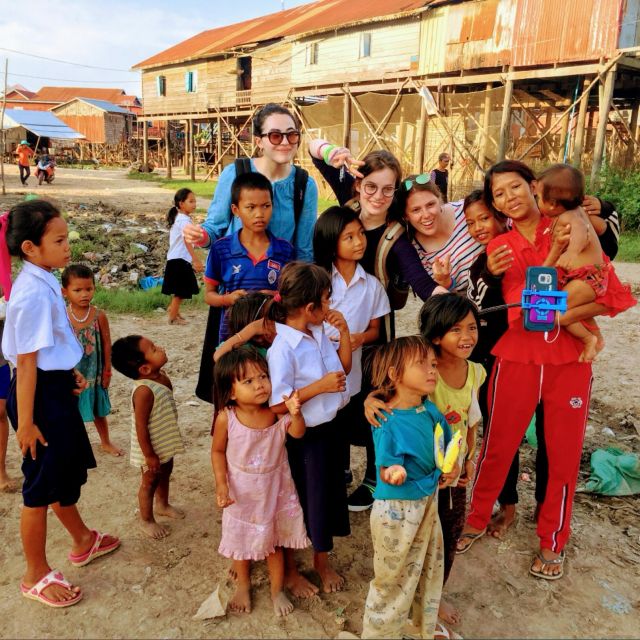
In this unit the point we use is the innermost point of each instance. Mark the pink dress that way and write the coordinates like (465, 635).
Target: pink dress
(266, 513)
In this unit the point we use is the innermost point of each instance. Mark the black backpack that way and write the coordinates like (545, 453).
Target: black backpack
(243, 165)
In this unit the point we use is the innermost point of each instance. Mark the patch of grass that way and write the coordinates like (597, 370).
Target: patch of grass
(629, 247)
(139, 301)
(202, 189)
(325, 203)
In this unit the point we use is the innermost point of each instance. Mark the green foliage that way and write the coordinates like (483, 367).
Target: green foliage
(138, 301)
(622, 187)
(629, 248)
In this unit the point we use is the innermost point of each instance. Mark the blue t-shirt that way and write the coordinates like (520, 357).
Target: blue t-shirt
(220, 222)
(230, 267)
(407, 438)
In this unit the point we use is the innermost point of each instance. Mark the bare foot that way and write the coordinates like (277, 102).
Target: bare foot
(282, 606)
(86, 543)
(590, 350)
(177, 320)
(153, 529)
(501, 521)
(169, 511)
(232, 574)
(299, 586)
(331, 580)
(448, 612)
(241, 601)
(7, 485)
(109, 447)
(55, 592)
(468, 536)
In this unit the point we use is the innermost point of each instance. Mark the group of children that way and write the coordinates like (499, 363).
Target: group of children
(292, 372)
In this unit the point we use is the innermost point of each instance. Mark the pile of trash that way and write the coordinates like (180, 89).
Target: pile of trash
(122, 248)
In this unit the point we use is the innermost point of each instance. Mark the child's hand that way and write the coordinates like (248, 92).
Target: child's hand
(106, 378)
(467, 475)
(198, 267)
(374, 409)
(231, 298)
(28, 436)
(81, 382)
(442, 271)
(293, 403)
(152, 463)
(343, 158)
(334, 381)
(222, 497)
(395, 474)
(447, 478)
(566, 261)
(336, 319)
(499, 260)
(357, 340)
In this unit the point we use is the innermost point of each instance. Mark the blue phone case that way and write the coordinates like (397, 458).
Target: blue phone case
(541, 279)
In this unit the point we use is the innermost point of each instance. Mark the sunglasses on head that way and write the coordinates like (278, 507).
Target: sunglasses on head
(276, 137)
(423, 178)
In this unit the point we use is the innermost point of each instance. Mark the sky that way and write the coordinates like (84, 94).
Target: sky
(111, 35)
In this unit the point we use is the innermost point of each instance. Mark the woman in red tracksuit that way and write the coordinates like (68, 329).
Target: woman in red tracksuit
(530, 369)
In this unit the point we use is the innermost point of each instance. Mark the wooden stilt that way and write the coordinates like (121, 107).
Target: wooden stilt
(421, 139)
(603, 119)
(192, 154)
(185, 157)
(633, 129)
(145, 144)
(578, 143)
(505, 123)
(346, 122)
(486, 123)
(219, 142)
(167, 148)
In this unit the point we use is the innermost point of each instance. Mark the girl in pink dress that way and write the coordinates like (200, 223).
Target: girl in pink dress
(262, 513)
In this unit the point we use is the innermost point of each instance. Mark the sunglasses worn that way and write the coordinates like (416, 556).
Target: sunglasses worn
(423, 178)
(276, 137)
(370, 188)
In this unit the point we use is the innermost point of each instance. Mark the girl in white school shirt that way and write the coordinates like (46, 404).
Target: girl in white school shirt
(303, 359)
(43, 405)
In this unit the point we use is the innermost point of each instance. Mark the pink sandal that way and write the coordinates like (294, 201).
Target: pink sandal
(83, 559)
(53, 577)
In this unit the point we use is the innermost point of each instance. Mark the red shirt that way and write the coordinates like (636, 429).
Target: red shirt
(517, 344)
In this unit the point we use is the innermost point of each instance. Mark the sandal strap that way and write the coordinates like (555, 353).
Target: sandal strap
(53, 577)
(554, 561)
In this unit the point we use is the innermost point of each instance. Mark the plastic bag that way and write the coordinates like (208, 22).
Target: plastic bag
(613, 473)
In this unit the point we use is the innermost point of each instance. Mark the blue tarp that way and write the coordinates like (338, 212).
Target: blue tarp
(40, 123)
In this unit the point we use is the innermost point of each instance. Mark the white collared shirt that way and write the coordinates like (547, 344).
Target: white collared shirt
(360, 301)
(37, 321)
(296, 360)
(177, 246)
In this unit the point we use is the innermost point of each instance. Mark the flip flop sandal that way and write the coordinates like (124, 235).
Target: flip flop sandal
(556, 562)
(472, 537)
(53, 577)
(83, 559)
(446, 634)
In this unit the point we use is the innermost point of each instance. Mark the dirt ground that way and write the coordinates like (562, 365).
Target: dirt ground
(153, 589)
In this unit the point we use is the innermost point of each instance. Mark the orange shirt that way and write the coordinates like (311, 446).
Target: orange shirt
(24, 153)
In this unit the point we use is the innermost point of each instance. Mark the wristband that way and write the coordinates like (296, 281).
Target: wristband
(326, 152)
(320, 148)
(204, 237)
(453, 283)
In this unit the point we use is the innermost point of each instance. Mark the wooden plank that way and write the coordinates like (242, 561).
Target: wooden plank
(578, 143)
(421, 139)
(505, 122)
(346, 122)
(167, 148)
(145, 143)
(603, 120)
(486, 123)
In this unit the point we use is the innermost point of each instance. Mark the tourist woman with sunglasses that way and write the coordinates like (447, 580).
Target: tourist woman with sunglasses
(277, 137)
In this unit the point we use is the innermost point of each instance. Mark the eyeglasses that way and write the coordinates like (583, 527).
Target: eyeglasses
(423, 178)
(276, 137)
(371, 188)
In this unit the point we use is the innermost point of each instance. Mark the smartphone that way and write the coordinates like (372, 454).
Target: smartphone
(539, 280)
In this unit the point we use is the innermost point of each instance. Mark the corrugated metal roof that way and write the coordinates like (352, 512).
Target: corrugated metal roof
(40, 123)
(64, 94)
(109, 107)
(315, 17)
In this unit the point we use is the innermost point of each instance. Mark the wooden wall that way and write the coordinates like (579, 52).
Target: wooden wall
(393, 44)
(271, 73)
(95, 124)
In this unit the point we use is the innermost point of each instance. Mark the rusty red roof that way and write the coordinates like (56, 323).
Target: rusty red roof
(317, 16)
(64, 94)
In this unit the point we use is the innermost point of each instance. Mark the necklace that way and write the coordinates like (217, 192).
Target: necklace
(75, 317)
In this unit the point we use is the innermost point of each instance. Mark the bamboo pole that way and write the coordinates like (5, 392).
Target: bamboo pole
(4, 135)
(601, 132)
(486, 123)
(578, 143)
(505, 122)
(633, 129)
(192, 154)
(421, 138)
(346, 122)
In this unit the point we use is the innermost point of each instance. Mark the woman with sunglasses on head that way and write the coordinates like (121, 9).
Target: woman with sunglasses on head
(370, 186)
(438, 233)
(277, 136)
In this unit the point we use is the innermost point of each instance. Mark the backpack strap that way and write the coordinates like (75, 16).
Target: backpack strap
(388, 239)
(242, 165)
(300, 180)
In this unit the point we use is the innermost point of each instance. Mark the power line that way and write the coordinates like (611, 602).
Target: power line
(22, 75)
(75, 64)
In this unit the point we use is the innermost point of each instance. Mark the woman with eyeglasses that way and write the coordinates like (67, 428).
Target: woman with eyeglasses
(438, 233)
(277, 137)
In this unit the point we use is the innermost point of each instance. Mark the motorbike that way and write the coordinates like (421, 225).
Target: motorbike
(45, 170)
